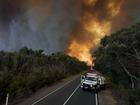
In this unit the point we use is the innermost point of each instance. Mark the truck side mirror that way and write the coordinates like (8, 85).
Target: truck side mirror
(82, 77)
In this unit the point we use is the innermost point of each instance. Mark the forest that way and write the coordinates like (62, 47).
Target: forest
(25, 71)
(118, 58)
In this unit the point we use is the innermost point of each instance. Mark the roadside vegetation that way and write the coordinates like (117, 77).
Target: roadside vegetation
(118, 57)
(24, 72)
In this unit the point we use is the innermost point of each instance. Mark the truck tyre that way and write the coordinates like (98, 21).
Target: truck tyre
(83, 89)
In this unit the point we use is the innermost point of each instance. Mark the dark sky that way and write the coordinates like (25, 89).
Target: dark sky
(49, 24)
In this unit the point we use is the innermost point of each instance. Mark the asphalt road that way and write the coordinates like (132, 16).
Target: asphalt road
(69, 94)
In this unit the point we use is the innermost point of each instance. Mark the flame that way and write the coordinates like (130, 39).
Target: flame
(82, 52)
(100, 29)
(95, 29)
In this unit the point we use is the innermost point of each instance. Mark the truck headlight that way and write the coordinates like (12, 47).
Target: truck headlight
(91, 85)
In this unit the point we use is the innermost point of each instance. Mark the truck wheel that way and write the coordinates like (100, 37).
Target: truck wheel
(83, 89)
(104, 87)
(98, 86)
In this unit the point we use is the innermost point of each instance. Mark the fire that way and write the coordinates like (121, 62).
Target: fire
(82, 52)
(95, 29)
(98, 29)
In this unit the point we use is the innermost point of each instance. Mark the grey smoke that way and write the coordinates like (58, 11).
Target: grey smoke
(49, 30)
(130, 14)
(48, 24)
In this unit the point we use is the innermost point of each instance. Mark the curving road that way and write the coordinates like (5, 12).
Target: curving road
(69, 94)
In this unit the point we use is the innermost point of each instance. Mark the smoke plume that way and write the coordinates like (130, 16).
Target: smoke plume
(71, 26)
(100, 18)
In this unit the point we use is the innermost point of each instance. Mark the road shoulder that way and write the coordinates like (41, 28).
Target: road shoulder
(106, 98)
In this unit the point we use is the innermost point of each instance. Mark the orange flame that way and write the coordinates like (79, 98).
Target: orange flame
(95, 29)
(82, 52)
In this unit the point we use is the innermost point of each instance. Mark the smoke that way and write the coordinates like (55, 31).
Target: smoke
(38, 24)
(129, 14)
(98, 19)
(72, 26)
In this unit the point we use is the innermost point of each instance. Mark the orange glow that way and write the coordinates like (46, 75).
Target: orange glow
(90, 2)
(100, 29)
(114, 8)
(82, 52)
(95, 29)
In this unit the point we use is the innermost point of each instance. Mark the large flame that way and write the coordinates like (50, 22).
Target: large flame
(95, 29)
(82, 52)
(73, 26)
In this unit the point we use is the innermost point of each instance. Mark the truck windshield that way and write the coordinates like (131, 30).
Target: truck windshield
(91, 78)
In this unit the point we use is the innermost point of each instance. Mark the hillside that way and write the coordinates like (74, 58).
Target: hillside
(118, 57)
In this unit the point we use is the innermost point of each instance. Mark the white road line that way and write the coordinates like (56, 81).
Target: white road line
(71, 95)
(52, 92)
(96, 98)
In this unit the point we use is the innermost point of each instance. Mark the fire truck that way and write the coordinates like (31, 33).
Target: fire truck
(92, 81)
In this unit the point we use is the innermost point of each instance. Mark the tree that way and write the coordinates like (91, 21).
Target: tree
(119, 58)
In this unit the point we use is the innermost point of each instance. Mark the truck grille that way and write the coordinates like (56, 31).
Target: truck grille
(86, 85)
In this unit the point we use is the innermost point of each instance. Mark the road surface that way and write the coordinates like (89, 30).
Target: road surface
(69, 94)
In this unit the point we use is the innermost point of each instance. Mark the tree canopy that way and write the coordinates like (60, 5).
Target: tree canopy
(25, 71)
(118, 57)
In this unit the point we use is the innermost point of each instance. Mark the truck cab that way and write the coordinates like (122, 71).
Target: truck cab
(91, 81)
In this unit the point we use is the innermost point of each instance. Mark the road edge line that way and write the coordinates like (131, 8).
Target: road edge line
(96, 99)
(71, 94)
(52, 92)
